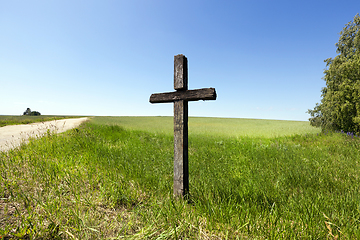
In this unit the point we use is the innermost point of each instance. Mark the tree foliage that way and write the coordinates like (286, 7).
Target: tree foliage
(35, 113)
(340, 104)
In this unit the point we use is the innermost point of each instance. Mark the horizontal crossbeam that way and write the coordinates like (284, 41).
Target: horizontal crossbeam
(188, 95)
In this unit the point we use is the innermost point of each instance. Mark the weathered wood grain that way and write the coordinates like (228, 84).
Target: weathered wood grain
(188, 95)
(180, 72)
(181, 160)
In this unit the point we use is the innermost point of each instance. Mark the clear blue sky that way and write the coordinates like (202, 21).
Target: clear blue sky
(264, 58)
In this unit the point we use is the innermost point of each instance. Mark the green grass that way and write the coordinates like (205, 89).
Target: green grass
(16, 120)
(105, 181)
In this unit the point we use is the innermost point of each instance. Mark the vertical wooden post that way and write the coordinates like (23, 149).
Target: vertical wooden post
(181, 162)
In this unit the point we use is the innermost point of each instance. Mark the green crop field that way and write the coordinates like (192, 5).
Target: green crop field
(16, 120)
(111, 178)
(221, 127)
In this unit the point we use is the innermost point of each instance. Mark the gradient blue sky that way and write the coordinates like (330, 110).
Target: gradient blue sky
(264, 58)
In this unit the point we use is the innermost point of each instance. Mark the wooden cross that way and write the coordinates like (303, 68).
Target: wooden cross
(180, 98)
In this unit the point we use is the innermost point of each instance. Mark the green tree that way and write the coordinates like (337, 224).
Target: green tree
(340, 104)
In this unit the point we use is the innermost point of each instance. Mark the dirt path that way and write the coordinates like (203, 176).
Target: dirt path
(12, 136)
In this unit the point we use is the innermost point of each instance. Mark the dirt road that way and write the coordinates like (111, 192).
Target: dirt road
(12, 136)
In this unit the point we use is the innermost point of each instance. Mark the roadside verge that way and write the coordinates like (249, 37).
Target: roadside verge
(12, 136)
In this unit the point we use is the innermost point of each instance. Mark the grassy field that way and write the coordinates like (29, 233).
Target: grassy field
(218, 127)
(16, 120)
(111, 178)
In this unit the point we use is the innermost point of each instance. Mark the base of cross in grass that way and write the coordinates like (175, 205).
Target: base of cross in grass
(180, 99)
